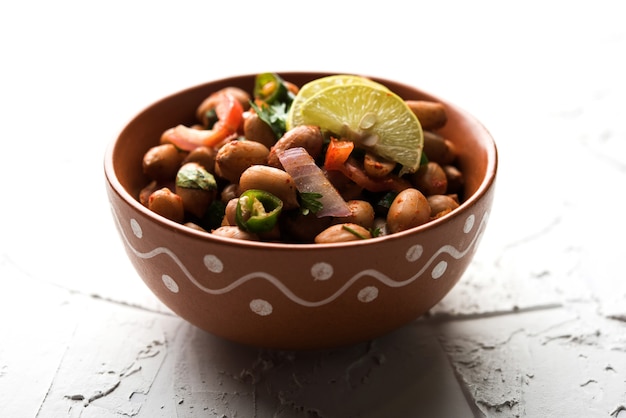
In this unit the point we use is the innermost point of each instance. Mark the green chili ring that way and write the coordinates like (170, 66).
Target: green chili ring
(257, 211)
(279, 92)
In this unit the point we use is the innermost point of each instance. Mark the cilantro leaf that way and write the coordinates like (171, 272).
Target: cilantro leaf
(275, 115)
(194, 176)
(376, 232)
(309, 202)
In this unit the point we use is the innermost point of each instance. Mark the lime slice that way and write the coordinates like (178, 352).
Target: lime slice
(373, 118)
(308, 90)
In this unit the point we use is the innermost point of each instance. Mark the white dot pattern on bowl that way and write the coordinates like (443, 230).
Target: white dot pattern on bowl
(136, 228)
(414, 252)
(261, 307)
(320, 271)
(368, 294)
(439, 269)
(170, 283)
(469, 224)
(213, 263)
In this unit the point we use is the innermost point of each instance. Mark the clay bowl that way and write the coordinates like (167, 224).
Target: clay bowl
(296, 296)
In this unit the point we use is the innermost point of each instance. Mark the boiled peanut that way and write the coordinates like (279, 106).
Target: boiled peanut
(167, 204)
(205, 156)
(452, 151)
(409, 209)
(230, 191)
(377, 167)
(438, 149)
(234, 157)
(231, 231)
(272, 180)
(430, 179)
(455, 179)
(255, 129)
(344, 232)
(195, 201)
(308, 137)
(362, 213)
(432, 115)
(230, 213)
(195, 226)
(441, 204)
(161, 162)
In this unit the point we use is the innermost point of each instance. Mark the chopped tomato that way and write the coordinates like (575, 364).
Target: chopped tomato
(337, 153)
(229, 117)
(229, 113)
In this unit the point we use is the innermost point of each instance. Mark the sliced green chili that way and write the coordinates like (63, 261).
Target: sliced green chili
(271, 89)
(257, 211)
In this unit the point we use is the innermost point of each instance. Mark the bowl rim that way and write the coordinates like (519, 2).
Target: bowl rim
(116, 186)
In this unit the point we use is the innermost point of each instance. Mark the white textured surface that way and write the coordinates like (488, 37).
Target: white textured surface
(537, 326)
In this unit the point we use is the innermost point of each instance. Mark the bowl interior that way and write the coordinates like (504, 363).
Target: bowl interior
(476, 150)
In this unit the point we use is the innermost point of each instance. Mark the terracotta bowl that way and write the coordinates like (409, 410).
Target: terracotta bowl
(296, 296)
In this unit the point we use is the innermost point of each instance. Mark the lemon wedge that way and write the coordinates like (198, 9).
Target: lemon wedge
(311, 88)
(374, 118)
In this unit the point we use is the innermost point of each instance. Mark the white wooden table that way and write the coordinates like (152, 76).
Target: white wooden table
(536, 327)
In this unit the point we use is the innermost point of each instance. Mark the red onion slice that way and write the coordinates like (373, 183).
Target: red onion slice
(309, 178)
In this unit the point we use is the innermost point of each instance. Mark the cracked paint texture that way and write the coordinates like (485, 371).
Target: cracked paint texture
(89, 382)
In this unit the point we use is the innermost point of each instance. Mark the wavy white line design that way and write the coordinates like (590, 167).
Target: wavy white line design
(263, 307)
